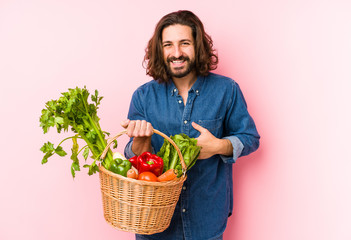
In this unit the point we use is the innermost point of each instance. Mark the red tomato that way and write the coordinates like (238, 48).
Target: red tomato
(147, 176)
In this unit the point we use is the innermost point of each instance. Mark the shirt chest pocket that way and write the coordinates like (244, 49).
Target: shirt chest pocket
(213, 125)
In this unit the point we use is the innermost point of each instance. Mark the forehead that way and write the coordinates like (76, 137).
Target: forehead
(177, 32)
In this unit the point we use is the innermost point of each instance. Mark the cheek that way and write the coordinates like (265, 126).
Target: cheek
(190, 53)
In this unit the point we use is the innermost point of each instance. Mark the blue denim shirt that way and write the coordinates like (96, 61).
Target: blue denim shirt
(216, 103)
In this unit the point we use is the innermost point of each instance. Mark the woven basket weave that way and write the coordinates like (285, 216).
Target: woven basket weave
(139, 206)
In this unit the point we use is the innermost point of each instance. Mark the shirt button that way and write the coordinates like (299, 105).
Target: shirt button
(175, 90)
(185, 121)
(180, 101)
(184, 210)
(184, 188)
(197, 91)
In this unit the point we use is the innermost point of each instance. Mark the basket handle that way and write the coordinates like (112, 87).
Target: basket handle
(155, 131)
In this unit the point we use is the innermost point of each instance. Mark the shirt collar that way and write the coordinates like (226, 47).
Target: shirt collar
(196, 88)
(197, 85)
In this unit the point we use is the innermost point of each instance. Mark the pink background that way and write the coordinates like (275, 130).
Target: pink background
(291, 58)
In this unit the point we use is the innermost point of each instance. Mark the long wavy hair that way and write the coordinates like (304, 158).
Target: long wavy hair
(206, 58)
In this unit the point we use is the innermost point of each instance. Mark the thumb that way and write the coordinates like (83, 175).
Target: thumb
(198, 127)
(125, 123)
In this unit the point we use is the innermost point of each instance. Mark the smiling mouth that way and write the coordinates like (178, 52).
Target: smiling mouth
(178, 60)
(178, 63)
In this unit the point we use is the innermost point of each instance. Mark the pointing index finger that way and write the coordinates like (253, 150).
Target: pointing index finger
(198, 127)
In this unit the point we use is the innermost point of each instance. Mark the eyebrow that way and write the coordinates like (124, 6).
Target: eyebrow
(182, 40)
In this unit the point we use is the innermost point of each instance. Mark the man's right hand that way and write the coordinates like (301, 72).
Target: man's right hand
(141, 131)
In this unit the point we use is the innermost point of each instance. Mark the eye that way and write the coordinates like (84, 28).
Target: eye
(166, 45)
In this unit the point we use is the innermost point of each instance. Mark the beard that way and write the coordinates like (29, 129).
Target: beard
(179, 72)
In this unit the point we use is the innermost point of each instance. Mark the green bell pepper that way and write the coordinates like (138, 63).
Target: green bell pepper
(120, 166)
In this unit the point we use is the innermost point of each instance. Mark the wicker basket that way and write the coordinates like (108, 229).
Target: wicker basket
(139, 206)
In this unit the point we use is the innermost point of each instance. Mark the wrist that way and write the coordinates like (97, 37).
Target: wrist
(141, 144)
(225, 147)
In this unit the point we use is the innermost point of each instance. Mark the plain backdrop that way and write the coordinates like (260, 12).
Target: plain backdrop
(291, 58)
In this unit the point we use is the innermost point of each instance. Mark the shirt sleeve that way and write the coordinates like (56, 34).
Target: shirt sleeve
(136, 112)
(237, 149)
(240, 128)
(128, 153)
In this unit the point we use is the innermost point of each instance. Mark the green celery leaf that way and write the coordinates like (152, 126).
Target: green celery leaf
(59, 151)
(47, 147)
(86, 153)
(46, 156)
(74, 167)
(95, 97)
(93, 168)
(91, 135)
(59, 120)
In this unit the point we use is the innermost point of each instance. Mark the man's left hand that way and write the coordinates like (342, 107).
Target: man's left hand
(210, 144)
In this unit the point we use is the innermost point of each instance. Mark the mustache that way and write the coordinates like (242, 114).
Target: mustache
(181, 58)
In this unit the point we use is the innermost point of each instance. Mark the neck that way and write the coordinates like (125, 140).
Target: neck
(185, 83)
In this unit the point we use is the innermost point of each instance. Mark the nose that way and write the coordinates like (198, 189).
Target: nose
(177, 51)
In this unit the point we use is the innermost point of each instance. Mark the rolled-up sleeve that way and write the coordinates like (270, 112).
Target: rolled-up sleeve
(240, 128)
(237, 149)
(128, 153)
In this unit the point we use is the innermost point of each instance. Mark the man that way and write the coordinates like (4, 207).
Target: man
(185, 97)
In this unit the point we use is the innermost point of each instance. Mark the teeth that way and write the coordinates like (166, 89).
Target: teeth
(177, 61)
